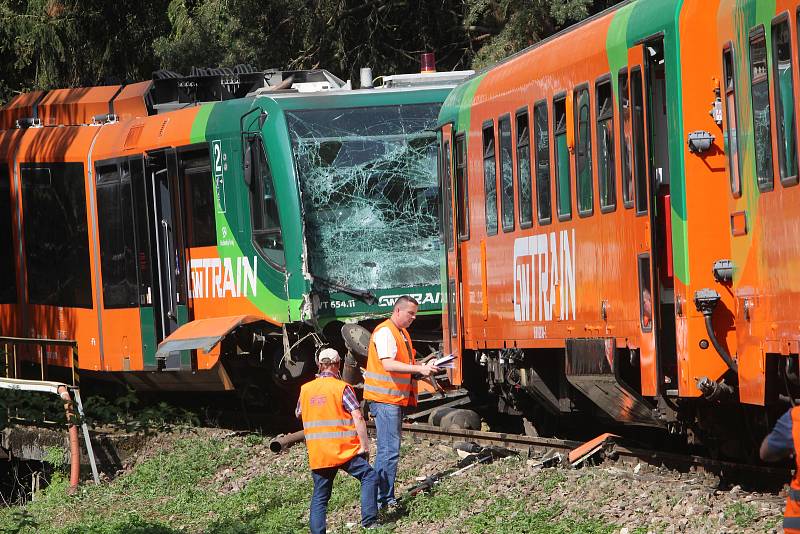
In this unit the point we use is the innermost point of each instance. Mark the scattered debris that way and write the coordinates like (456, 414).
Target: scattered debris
(580, 454)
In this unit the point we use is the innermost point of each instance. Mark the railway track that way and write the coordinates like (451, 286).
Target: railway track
(614, 451)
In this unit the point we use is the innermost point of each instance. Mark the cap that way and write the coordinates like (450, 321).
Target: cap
(328, 355)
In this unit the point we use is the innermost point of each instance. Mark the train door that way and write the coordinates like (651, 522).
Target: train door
(645, 125)
(451, 319)
(166, 250)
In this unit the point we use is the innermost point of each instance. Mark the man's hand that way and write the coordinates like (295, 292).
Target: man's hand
(363, 451)
(426, 369)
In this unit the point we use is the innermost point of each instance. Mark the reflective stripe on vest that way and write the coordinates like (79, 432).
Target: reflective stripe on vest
(396, 379)
(329, 430)
(383, 386)
(794, 494)
(791, 523)
(386, 391)
(329, 422)
(328, 435)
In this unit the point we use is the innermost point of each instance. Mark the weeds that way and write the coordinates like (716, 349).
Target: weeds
(743, 514)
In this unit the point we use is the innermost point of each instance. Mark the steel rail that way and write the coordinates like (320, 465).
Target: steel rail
(615, 451)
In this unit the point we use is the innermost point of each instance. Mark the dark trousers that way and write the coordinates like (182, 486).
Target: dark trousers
(357, 467)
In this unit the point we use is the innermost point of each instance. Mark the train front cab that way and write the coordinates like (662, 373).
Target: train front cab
(622, 345)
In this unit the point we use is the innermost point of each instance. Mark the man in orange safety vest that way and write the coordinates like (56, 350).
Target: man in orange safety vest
(389, 386)
(336, 438)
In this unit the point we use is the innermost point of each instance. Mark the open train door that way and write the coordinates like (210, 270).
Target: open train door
(645, 129)
(452, 165)
(166, 251)
(634, 128)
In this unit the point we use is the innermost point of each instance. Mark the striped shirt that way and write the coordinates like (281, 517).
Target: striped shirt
(349, 400)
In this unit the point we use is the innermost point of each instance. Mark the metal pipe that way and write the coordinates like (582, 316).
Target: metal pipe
(74, 447)
(282, 442)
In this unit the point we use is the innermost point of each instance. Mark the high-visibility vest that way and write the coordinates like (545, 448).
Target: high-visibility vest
(791, 517)
(331, 437)
(382, 386)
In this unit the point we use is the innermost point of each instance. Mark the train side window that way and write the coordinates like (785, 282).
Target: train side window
(141, 209)
(263, 205)
(625, 147)
(541, 136)
(524, 186)
(645, 293)
(506, 173)
(605, 146)
(195, 167)
(638, 136)
(583, 151)
(563, 190)
(462, 190)
(784, 100)
(56, 234)
(447, 195)
(732, 121)
(8, 289)
(116, 235)
(489, 178)
(762, 128)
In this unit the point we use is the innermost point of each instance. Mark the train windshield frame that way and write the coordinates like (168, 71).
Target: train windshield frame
(370, 195)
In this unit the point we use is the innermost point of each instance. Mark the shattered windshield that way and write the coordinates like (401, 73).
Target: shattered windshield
(370, 195)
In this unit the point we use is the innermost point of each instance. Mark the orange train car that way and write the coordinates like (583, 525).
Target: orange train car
(619, 229)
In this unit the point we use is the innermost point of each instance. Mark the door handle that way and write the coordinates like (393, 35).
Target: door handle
(170, 272)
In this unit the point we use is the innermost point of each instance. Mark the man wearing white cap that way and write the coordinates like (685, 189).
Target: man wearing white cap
(336, 438)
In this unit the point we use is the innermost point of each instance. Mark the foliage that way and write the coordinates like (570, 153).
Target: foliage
(511, 516)
(46, 44)
(743, 514)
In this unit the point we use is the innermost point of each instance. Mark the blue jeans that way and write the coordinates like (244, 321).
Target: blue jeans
(358, 467)
(388, 422)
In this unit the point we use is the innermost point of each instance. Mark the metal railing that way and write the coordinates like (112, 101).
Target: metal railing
(10, 345)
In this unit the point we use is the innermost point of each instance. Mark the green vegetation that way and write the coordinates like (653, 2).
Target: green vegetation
(743, 514)
(191, 481)
(46, 44)
(186, 486)
(124, 411)
(510, 516)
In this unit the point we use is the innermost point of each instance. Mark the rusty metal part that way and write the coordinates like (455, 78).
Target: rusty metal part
(282, 442)
(74, 446)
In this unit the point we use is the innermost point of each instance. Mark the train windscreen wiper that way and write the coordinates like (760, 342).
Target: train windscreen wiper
(361, 294)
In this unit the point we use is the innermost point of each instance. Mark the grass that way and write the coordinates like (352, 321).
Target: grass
(175, 487)
(511, 516)
(233, 486)
(741, 513)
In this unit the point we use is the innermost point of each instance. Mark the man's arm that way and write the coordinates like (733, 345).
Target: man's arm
(361, 430)
(770, 455)
(780, 442)
(393, 366)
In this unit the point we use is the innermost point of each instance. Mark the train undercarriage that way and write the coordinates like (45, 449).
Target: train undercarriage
(579, 391)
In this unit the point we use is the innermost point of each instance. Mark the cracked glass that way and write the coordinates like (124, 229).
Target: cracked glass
(369, 194)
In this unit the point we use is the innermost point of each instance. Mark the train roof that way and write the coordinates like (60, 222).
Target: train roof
(169, 92)
(631, 22)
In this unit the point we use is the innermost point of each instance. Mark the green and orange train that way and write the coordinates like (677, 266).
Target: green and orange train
(201, 232)
(621, 221)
